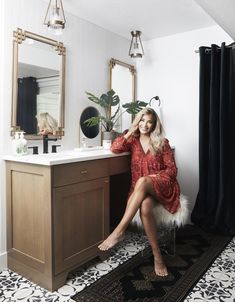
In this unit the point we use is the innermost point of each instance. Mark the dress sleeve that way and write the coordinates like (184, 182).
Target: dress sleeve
(121, 144)
(170, 170)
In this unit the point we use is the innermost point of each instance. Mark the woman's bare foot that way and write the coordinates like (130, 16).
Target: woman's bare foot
(160, 268)
(111, 241)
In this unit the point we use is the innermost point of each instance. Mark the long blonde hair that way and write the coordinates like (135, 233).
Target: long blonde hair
(157, 135)
(46, 122)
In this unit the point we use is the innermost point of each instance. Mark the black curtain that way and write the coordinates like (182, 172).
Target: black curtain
(215, 205)
(27, 104)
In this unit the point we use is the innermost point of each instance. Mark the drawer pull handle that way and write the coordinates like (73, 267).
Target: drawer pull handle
(84, 172)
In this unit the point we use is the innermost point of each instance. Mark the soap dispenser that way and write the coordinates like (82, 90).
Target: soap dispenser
(16, 144)
(23, 144)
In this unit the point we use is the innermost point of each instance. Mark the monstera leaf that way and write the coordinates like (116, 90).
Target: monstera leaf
(106, 100)
(110, 99)
(134, 107)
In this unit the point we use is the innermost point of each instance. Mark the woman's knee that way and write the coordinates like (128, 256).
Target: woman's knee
(143, 183)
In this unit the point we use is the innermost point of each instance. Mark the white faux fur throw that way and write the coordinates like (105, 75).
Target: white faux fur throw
(163, 217)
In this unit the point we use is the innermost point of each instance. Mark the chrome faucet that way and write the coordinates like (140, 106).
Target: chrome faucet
(45, 142)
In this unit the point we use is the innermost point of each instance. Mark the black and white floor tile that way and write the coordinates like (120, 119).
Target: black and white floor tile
(14, 287)
(218, 283)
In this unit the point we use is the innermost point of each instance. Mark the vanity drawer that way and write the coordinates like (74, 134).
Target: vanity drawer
(78, 172)
(118, 165)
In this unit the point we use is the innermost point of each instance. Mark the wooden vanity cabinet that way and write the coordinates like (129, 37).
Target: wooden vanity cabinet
(81, 211)
(57, 215)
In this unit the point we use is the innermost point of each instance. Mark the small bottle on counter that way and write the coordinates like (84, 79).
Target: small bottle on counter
(84, 142)
(106, 144)
(19, 144)
(16, 143)
(23, 144)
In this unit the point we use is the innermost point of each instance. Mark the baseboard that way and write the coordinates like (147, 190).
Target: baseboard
(3, 261)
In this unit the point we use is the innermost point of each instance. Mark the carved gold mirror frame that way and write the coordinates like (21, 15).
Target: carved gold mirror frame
(122, 79)
(112, 63)
(19, 36)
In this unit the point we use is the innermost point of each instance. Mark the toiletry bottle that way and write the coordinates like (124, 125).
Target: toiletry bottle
(16, 143)
(84, 142)
(23, 144)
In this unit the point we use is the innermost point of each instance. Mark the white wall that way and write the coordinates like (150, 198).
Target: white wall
(89, 49)
(170, 69)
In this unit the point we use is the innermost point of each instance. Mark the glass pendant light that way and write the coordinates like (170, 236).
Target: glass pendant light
(55, 19)
(136, 48)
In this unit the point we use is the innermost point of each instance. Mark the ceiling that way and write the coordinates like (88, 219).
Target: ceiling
(223, 12)
(155, 18)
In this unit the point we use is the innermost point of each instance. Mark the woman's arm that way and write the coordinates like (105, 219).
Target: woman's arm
(122, 143)
(170, 169)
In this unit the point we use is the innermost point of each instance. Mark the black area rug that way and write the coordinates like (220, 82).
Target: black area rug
(135, 280)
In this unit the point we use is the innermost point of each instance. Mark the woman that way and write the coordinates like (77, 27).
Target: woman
(46, 123)
(153, 180)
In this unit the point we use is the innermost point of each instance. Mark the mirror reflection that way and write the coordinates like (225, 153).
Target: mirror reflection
(123, 82)
(89, 132)
(38, 81)
(89, 136)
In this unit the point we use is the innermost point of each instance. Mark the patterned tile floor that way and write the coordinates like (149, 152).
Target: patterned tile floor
(218, 283)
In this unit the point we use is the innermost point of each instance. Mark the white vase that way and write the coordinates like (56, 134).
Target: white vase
(109, 135)
(107, 138)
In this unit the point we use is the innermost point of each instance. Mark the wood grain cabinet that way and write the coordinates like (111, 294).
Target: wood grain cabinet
(57, 215)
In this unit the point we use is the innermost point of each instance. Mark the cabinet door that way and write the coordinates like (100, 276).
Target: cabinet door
(81, 221)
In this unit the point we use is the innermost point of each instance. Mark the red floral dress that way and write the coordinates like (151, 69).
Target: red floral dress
(161, 168)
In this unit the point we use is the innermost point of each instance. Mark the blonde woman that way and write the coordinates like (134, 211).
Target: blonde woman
(46, 123)
(154, 181)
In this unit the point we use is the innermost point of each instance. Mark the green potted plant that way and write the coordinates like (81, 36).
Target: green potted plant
(110, 118)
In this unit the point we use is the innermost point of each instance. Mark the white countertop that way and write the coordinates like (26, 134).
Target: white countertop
(63, 157)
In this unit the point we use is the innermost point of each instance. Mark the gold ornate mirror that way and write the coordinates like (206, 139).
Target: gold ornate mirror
(122, 79)
(38, 82)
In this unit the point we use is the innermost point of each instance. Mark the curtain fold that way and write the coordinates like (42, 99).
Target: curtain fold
(215, 204)
(27, 104)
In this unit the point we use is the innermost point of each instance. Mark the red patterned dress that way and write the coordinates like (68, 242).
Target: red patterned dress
(161, 168)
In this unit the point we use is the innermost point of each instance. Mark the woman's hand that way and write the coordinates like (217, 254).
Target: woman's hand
(131, 131)
(134, 128)
(44, 132)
